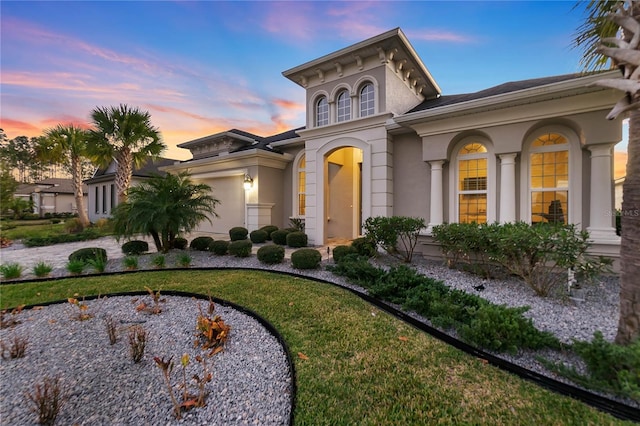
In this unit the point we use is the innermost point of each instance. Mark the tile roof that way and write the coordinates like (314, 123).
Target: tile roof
(147, 169)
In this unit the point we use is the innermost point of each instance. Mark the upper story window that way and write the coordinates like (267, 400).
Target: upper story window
(322, 112)
(549, 179)
(472, 183)
(344, 106)
(367, 100)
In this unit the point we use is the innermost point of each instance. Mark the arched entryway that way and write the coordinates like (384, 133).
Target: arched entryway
(343, 193)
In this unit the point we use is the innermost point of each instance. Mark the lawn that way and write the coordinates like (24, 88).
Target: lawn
(360, 365)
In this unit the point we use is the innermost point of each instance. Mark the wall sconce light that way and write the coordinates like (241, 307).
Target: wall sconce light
(248, 182)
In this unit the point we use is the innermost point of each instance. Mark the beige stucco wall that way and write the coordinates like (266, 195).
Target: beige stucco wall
(411, 177)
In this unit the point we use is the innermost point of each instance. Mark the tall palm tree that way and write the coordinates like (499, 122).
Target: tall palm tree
(164, 207)
(67, 145)
(601, 38)
(124, 134)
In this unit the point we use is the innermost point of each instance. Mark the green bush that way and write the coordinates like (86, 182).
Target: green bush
(75, 266)
(297, 239)
(42, 269)
(87, 234)
(394, 285)
(387, 232)
(88, 253)
(73, 226)
(238, 233)
(269, 229)
(364, 246)
(258, 236)
(357, 270)
(159, 261)
(219, 247)
(280, 236)
(306, 258)
(135, 247)
(179, 243)
(11, 271)
(240, 248)
(271, 254)
(339, 252)
(201, 243)
(130, 262)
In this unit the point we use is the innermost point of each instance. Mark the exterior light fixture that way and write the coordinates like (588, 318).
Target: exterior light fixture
(248, 182)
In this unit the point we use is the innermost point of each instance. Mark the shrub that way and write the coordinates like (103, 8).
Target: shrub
(88, 253)
(55, 221)
(201, 243)
(76, 266)
(388, 231)
(297, 224)
(269, 229)
(179, 243)
(297, 239)
(11, 271)
(184, 260)
(135, 247)
(339, 252)
(159, 261)
(258, 236)
(73, 225)
(42, 269)
(271, 254)
(364, 246)
(280, 236)
(238, 233)
(99, 264)
(306, 258)
(357, 270)
(240, 248)
(130, 262)
(219, 247)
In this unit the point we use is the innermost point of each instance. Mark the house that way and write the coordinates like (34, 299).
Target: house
(101, 187)
(618, 183)
(382, 139)
(52, 195)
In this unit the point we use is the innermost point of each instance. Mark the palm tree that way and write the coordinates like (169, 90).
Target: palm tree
(599, 38)
(164, 207)
(67, 145)
(124, 134)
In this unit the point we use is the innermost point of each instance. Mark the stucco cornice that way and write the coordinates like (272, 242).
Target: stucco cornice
(247, 158)
(372, 121)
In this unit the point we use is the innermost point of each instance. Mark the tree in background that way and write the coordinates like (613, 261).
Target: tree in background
(612, 30)
(164, 207)
(124, 134)
(8, 184)
(19, 154)
(67, 145)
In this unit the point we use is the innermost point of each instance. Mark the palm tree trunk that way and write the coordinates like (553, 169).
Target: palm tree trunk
(629, 324)
(76, 167)
(123, 173)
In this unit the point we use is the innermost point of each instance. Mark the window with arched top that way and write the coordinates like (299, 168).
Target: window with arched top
(344, 106)
(549, 179)
(472, 165)
(301, 184)
(367, 100)
(322, 112)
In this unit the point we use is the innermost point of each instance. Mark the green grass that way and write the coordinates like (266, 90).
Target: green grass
(364, 367)
(31, 229)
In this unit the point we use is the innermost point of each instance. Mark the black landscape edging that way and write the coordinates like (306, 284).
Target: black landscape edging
(607, 405)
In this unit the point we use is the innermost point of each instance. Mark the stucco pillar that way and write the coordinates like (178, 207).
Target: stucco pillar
(601, 211)
(436, 211)
(507, 188)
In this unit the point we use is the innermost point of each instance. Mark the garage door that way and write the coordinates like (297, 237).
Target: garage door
(230, 192)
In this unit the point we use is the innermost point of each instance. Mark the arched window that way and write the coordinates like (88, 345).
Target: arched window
(549, 179)
(367, 100)
(322, 112)
(301, 196)
(472, 183)
(344, 106)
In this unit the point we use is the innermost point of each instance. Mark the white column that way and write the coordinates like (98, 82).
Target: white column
(601, 210)
(507, 188)
(436, 210)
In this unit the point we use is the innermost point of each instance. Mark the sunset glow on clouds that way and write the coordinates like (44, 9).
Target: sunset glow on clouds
(204, 67)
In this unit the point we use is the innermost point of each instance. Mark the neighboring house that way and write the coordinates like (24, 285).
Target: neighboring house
(52, 195)
(380, 140)
(103, 195)
(618, 192)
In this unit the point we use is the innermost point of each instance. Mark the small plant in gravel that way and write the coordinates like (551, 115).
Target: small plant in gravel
(130, 262)
(75, 267)
(184, 260)
(159, 261)
(11, 271)
(47, 399)
(9, 319)
(154, 307)
(99, 263)
(112, 331)
(16, 349)
(42, 269)
(83, 313)
(137, 342)
(211, 332)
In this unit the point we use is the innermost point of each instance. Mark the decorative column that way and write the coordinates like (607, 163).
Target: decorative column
(601, 211)
(436, 209)
(507, 188)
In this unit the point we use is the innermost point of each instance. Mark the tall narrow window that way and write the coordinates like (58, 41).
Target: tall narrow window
(367, 100)
(322, 112)
(113, 195)
(97, 200)
(344, 106)
(104, 199)
(302, 181)
(472, 183)
(549, 179)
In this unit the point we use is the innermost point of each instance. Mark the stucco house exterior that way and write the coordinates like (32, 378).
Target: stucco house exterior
(380, 139)
(52, 195)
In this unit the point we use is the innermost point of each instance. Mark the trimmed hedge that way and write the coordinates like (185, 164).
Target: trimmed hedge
(271, 254)
(135, 247)
(297, 239)
(258, 236)
(238, 233)
(306, 258)
(339, 252)
(201, 243)
(219, 247)
(240, 248)
(364, 246)
(88, 253)
(180, 243)
(280, 236)
(269, 229)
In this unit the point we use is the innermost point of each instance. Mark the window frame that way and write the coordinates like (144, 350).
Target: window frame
(369, 109)
(296, 183)
(343, 106)
(321, 118)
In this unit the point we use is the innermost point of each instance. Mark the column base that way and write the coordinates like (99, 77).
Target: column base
(603, 235)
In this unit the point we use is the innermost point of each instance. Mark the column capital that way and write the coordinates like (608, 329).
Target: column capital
(508, 158)
(601, 149)
(436, 164)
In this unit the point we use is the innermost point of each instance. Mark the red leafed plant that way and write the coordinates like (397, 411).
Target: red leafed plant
(154, 308)
(212, 332)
